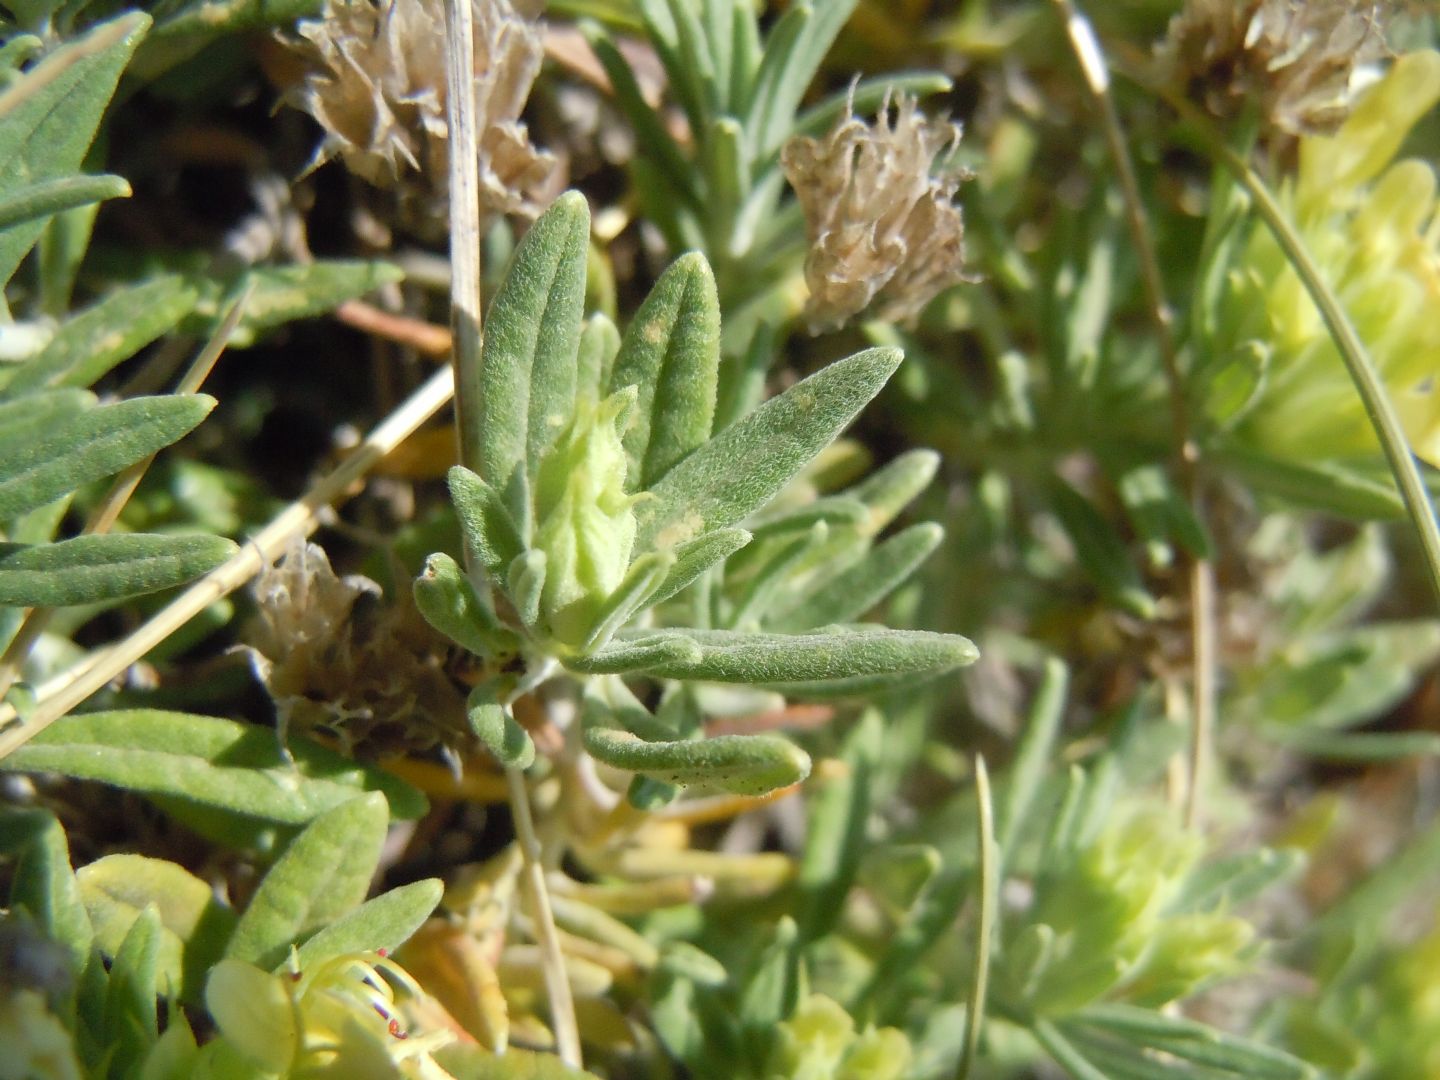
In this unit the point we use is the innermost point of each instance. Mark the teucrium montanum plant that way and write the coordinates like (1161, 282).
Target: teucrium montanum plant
(602, 491)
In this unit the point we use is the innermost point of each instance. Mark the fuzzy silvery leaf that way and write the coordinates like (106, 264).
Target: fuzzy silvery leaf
(744, 764)
(746, 465)
(599, 344)
(35, 202)
(891, 488)
(90, 343)
(451, 605)
(694, 558)
(765, 585)
(49, 116)
(203, 759)
(528, 360)
(647, 575)
(498, 731)
(323, 875)
(832, 510)
(24, 419)
(92, 445)
(490, 531)
(96, 569)
(844, 660)
(671, 355)
(847, 596)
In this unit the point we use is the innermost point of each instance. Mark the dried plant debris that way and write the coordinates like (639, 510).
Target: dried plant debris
(885, 234)
(376, 83)
(1299, 61)
(340, 660)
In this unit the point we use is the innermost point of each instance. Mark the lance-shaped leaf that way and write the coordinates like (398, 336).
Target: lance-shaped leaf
(94, 569)
(451, 605)
(671, 355)
(49, 115)
(840, 661)
(745, 764)
(528, 361)
(490, 531)
(43, 883)
(35, 201)
(386, 922)
(26, 418)
(849, 595)
(323, 875)
(92, 445)
(697, 556)
(744, 466)
(220, 763)
(498, 731)
(131, 1024)
(89, 344)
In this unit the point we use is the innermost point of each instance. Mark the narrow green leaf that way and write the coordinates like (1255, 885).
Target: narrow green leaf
(385, 922)
(890, 489)
(642, 582)
(851, 660)
(323, 875)
(834, 510)
(94, 569)
(40, 200)
(498, 731)
(26, 418)
(847, 596)
(49, 116)
(1100, 551)
(746, 465)
(193, 926)
(695, 557)
(525, 582)
(865, 97)
(1161, 515)
(765, 586)
(641, 653)
(1329, 486)
(451, 605)
(1064, 1052)
(1361, 746)
(490, 531)
(599, 344)
(131, 1012)
(671, 355)
(780, 87)
(283, 294)
(771, 991)
(528, 361)
(221, 763)
(89, 344)
(1033, 755)
(92, 445)
(43, 883)
(835, 832)
(745, 764)
(1195, 1041)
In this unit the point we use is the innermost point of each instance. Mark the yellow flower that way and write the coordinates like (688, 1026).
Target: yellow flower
(341, 1019)
(1371, 225)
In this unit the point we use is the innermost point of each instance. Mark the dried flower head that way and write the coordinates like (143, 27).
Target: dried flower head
(884, 232)
(376, 84)
(338, 659)
(1299, 61)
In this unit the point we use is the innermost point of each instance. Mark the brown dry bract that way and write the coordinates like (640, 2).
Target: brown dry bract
(376, 83)
(1295, 60)
(884, 233)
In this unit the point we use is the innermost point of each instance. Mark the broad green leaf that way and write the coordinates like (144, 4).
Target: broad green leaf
(283, 294)
(221, 763)
(131, 1013)
(47, 197)
(745, 764)
(386, 922)
(528, 361)
(43, 883)
(844, 660)
(451, 605)
(92, 445)
(490, 531)
(26, 418)
(193, 925)
(89, 344)
(671, 355)
(746, 465)
(49, 116)
(848, 595)
(93, 569)
(694, 558)
(323, 875)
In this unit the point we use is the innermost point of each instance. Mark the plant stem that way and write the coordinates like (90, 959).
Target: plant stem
(984, 920)
(1187, 454)
(465, 328)
(1367, 380)
(61, 694)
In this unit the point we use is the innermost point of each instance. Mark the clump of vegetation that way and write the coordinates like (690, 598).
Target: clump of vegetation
(696, 538)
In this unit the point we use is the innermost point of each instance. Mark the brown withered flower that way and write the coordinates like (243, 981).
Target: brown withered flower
(1298, 62)
(375, 81)
(885, 234)
(339, 660)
